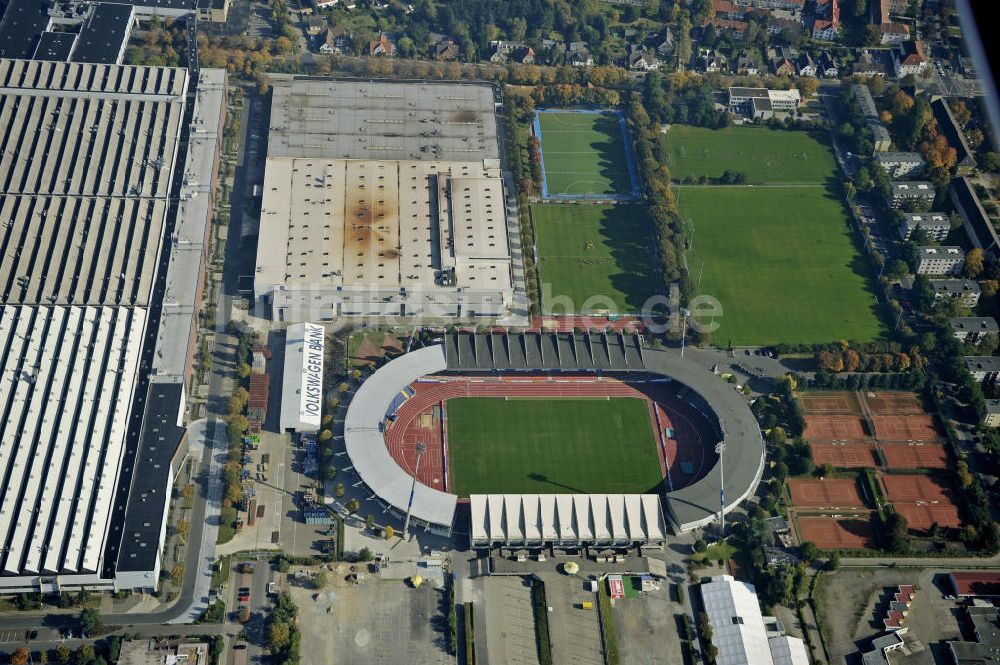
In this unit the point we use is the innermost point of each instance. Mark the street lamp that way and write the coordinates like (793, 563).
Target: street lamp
(720, 448)
(684, 319)
(421, 448)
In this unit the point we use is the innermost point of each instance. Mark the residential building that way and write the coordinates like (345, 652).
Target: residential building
(866, 103)
(746, 65)
(826, 25)
(728, 9)
(777, 25)
(935, 225)
(714, 62)
(975, 221)
(984, 369)
(806, 65)
(578, 55)
(787, 5)
(901, 164)
(732, 28)
(971, 329)
(446, 50)
(904, 191)
(893, 33)
(992, 416)
(827, 66)
(938, 260)
(882, 646)
(782, 67)
(869, 65)
(965, 163)
(739, 630)
(965, 290)
(337, 40)
(909, 60)
(642, 59)
(881, 140)
(664, 43)
(315, 25)
(384, 45)
(985, 622)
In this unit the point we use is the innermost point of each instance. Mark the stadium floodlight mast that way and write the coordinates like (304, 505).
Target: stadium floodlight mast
(413, 488)
(685, 313)
(720, 448)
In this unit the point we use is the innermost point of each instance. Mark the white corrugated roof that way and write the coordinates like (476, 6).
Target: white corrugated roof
(737, 624)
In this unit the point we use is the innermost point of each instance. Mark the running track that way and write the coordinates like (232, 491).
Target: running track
(667, 410)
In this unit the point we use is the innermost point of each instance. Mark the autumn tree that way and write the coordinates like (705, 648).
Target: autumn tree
(20, 657)
(974, 263)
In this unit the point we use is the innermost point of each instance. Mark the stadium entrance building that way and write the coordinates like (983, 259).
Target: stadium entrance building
(302, 383)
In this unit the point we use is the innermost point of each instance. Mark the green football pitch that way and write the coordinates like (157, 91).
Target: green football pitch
(781, 262)
(595, 250)
(583, 153)
(765, 155)
(551, 446)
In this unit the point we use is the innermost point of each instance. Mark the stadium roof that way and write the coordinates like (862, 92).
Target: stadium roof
(66, 388)
(84, 183)
(566, 519)
(313, 117)
(366, 446)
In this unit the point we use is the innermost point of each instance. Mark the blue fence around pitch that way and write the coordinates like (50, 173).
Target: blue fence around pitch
(630, 164)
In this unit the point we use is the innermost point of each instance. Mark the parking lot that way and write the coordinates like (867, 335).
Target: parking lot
(510, 625)
(575, 632)
(648, 629)
(374, 622)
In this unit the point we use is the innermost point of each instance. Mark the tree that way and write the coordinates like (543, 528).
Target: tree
(278, 635)
(182, 528)
(389, 533)
(974, 263)
(369, 521)
(776, 436)
(833, 562)
(243, 370)
(84, 655)
(339, 490)
(809, 551)
(319, 580)
(989, 161)
(325, 435)
(897, 269)
(365, 554)
(63, 655)
(331, 473)
(807, 85)
(20, 657)
(353, 505)
(870, 36)
(90, 621)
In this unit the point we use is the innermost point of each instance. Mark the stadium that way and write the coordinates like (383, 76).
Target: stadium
(566, 439)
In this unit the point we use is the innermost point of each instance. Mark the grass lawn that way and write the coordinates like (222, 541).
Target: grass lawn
(765, 155)
(551, 446)
(583, 153)
(227, 525)
(595, 250)
(781, 262)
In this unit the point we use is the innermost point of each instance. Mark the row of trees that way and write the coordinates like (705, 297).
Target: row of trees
(282, 632)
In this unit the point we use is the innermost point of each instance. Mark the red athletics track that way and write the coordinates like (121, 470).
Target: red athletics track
(418, 419)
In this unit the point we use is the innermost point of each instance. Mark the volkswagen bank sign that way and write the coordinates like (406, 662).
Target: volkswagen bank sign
(311, 400)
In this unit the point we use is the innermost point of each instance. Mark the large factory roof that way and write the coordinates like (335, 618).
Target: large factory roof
(322, 118)
(67, 381)
(104, 33)
(85, 179)
(388, 224)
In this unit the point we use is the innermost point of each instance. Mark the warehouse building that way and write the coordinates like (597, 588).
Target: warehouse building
(383, 200)
(94, 398)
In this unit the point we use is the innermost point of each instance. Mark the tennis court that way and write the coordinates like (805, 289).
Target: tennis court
(910, 488)
(825, 493)
(913, 455)
(830, 403)
(888, 403)
(834, 428)
(831, 533)
(913, 427)
(844, 455)
(922, 516)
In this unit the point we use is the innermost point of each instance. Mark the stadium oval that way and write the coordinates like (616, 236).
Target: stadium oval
(568, 354)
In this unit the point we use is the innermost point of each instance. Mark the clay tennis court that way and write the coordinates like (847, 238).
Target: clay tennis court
(844, 455)
(834, 428)
(830, 533)
(915, 427)
(894, 403)
(829, 493)
(841, 403)
(922, 516)
(912, 455)
(913, 488)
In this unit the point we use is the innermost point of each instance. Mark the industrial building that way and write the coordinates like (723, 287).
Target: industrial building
(383, 200)
(94, 399)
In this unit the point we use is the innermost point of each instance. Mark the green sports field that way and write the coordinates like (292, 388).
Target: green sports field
(782, 263)
(595, 250)
(551, 446)
(765, 155)
(583, 153)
